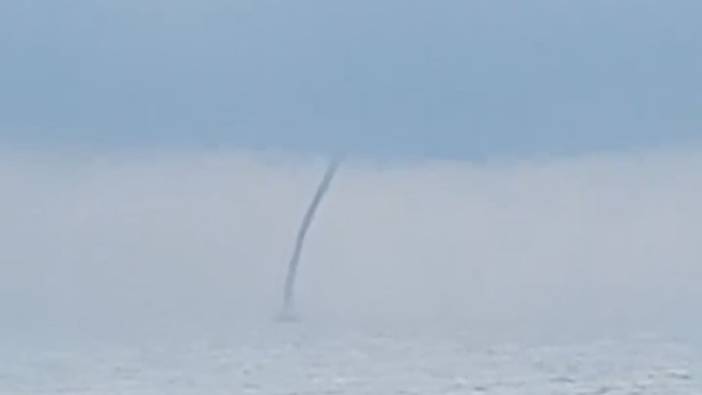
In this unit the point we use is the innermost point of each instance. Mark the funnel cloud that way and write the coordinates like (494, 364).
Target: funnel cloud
(288, 301)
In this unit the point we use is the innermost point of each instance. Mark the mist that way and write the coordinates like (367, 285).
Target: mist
(198, 241)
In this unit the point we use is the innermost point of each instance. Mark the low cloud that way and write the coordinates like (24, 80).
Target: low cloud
(134, 242)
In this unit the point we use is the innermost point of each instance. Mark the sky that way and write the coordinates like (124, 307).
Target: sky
(450, 79)
(511, 166)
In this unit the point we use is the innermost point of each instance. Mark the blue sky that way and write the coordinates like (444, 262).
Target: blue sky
(463, 79)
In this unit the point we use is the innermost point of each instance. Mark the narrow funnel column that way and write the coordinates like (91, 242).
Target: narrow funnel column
(289, 291)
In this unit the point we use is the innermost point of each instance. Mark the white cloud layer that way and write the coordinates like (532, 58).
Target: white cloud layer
(169, 242)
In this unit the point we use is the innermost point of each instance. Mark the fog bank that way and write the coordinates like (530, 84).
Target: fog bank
(199, 241)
